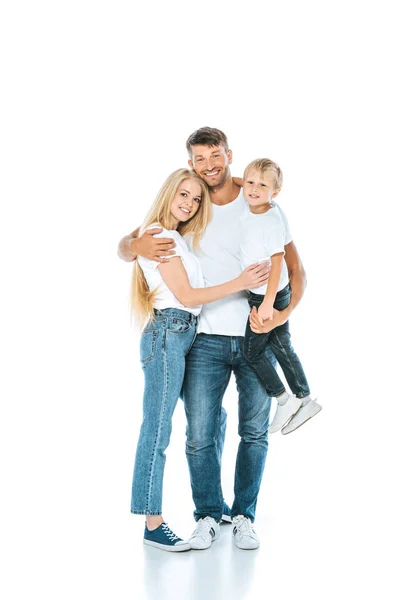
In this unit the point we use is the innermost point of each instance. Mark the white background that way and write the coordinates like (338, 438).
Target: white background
(97, 101)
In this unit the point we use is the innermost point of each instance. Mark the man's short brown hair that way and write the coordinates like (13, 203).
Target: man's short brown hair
(206, 136)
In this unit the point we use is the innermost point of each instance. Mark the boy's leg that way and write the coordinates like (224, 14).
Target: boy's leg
(254, 346)
(280, 342)
(282, 348)
(206, 379)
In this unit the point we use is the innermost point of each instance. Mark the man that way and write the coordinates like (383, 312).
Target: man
(218, 351)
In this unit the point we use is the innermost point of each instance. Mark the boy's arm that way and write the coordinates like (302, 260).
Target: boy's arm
(265, 310)
(146, 245)
(298, 282)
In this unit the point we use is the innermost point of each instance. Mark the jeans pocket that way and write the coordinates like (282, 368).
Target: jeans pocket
(281, 302)
(178, 326)
(148, 345)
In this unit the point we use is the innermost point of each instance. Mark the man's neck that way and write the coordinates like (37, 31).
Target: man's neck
(226, 193)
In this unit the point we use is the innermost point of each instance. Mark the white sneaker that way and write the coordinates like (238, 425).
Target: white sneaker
(284, 412)
(243, 533)
(303, 414)
(206, 532)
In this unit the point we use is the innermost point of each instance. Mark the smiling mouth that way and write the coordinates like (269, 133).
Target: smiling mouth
(212, 173)
(185, 210)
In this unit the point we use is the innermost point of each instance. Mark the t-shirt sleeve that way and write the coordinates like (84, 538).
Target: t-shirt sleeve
(165, 233)
(288, 235)
(274, 239)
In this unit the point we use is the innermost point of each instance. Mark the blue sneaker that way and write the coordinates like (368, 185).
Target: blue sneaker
(164, 539)
(226, 514)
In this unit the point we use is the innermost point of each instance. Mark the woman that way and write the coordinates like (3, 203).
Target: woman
(166, 300)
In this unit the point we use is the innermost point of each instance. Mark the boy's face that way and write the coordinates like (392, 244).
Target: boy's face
(259, 189)
(211, 164)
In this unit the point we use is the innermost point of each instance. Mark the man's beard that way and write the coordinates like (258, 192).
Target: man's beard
(221, 182)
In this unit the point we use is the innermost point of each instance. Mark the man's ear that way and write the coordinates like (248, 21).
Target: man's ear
(190, 164)
(229, 153)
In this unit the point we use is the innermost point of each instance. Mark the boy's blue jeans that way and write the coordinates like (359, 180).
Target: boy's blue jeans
(209, 365)
(280, 344)
(163, 348)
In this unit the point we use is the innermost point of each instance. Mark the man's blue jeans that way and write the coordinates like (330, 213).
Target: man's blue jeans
(209, 365)
(163, 348)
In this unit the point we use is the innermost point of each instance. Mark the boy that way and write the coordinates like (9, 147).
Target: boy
(263, 233)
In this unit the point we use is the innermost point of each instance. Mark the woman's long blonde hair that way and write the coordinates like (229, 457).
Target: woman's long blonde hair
(142, 300)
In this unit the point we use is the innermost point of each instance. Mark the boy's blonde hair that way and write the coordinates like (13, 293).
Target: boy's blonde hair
(142, 300)
(263, 165)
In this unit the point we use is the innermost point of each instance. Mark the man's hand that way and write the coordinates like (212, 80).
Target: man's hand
(279, 317)
(158, 249)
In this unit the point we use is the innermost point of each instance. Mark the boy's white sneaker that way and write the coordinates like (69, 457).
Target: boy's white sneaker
(206, 532)
(284, 412)
(303, 414)
(243, 533)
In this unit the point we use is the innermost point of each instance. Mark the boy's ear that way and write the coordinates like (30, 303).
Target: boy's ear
(274, 195)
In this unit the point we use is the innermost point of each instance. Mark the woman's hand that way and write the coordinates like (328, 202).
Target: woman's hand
(254, 276)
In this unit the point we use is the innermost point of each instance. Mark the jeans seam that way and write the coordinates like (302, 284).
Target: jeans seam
(165, 387)
(294, 371)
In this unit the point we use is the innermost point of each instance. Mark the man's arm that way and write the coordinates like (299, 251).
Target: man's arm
(298, 282)
(133, 245)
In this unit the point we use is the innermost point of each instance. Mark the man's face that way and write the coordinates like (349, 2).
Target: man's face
(211, 164)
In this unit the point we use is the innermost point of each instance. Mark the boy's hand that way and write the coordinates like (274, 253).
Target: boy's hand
(279, 318)
(265, 312)
(152, 248)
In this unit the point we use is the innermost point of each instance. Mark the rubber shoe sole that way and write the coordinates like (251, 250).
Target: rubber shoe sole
(301, 417)
(176, 548)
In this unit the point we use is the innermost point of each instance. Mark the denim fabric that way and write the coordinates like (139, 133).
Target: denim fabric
(209, 365)
(279, 341)
(163, 348)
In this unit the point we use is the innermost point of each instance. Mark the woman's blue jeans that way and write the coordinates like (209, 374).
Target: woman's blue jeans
(163, 348)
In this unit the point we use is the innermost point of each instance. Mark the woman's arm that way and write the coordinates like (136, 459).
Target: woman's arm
(175, 276)
(133, 245)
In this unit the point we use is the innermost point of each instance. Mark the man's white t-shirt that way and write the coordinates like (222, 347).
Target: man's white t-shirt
(165, 298)
(261, 236)
(219, 257)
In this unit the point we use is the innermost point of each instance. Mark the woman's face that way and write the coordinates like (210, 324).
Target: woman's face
(187, 200)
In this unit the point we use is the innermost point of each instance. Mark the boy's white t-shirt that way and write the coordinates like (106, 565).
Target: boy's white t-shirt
(219, 257)
(165, 298)
(261, 236)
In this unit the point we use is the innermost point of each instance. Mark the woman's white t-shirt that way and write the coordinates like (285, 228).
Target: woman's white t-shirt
(165, 298)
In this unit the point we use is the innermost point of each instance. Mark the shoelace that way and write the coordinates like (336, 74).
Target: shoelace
(203, 527)
(168, 532)
(245, 526)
